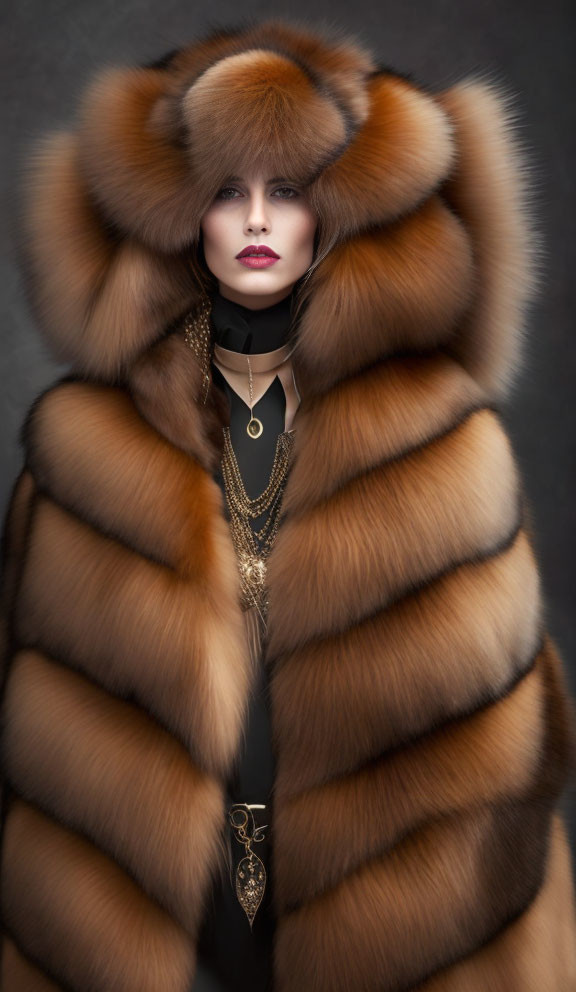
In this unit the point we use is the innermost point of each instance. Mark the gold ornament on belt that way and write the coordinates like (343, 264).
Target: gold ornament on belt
(250, 871)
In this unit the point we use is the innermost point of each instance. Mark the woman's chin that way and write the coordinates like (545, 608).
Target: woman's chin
(256, 291)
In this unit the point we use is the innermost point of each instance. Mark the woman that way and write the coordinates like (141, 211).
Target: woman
(421, 731)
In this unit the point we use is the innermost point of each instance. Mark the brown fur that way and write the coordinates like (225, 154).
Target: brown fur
(422, 727)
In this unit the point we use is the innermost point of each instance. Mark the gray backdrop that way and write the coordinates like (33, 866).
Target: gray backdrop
(52, 47)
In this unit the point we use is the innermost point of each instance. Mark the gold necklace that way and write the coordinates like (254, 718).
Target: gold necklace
(236, 367)
(253, 548)
(254, 426)
(251, 558)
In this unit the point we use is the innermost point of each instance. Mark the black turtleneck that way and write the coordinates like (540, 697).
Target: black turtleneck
(251, 331)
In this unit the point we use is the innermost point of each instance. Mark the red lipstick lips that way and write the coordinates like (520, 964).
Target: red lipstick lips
(257, 257)
(257, 250)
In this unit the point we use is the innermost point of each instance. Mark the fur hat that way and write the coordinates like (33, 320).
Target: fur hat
(422, 197)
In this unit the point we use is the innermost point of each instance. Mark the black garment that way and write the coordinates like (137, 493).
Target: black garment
(230, 955)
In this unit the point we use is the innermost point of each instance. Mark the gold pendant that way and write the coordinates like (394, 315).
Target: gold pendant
(254, 428)
(250, 884)
(250, 873)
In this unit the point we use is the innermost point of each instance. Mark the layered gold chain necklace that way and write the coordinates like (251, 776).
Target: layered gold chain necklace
(252, 547)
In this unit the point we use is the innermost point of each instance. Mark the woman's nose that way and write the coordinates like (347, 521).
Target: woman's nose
(257, 215)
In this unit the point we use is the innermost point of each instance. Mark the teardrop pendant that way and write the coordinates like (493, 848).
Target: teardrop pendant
(254, 427)
(250, 872)
(250, 884)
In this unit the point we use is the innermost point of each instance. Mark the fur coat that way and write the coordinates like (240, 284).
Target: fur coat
(423, 729)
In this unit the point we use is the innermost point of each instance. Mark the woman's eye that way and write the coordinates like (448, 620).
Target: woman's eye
(290, 190)
(226, 189)
(291, 193)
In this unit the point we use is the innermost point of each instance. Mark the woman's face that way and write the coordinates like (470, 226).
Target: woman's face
(252, 210)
